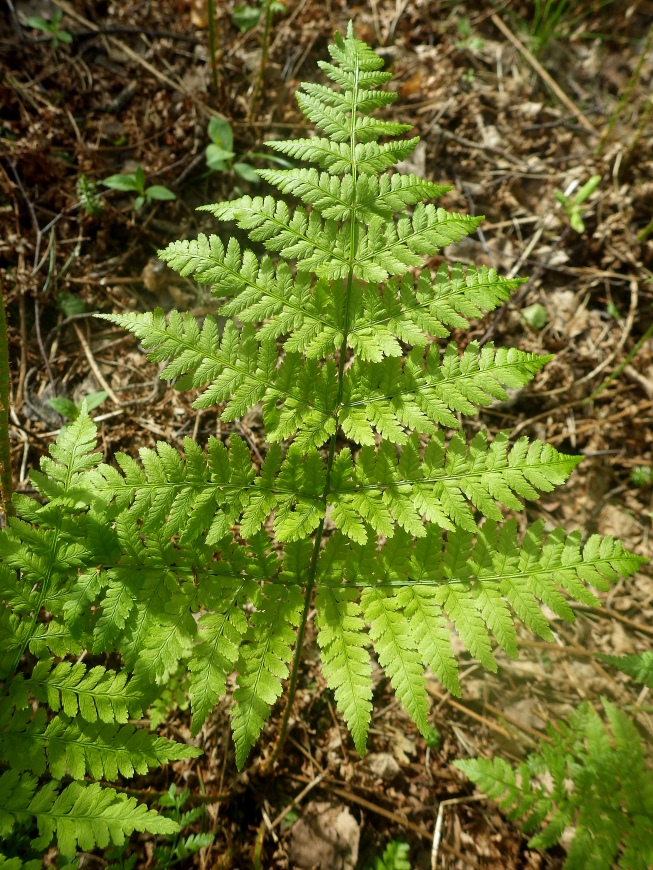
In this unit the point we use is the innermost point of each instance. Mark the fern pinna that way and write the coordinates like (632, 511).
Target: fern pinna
(367, 504)
(363, 506)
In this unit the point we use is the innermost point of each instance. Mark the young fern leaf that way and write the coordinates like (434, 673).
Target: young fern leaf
(363, 503)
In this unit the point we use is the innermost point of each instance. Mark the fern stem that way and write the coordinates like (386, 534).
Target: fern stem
(6, 483)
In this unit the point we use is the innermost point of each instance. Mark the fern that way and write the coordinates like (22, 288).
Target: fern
(591, 775)
(638, 666)
(369, 503)
(364, 503)
(67, 720)
(395, 857)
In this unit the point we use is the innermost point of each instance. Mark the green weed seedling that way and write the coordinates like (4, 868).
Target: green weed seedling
(51, 27)
(395, 857)
(220, 155)
(134, 182)
(642, 476)
(88, 197)
(466, 40)
(67, 408)
(246, 17)
(573, 206)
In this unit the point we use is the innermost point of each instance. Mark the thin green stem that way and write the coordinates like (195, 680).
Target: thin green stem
(210, 11)
(312, 570)
(260, 77)
(6, 482)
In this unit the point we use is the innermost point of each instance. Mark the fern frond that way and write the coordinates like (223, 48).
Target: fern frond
(593, 777)
(638, 666)
(357, 495)
(95, 693)
(345, 660)
(221, 633)
(397, 652)
(101, 750)
(411, 314)
(338, 158)
(81, 815)
(436, 485)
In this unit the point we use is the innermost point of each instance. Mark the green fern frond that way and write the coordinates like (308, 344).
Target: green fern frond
(396, 399)
(592, 776)
(82, 815)
(338, 158)
(435, 485)
(95, 693)
(345, 659)
(101, 750)
(357, 498)
(638, 666)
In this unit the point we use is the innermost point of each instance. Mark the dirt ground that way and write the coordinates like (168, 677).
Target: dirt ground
(134, 87)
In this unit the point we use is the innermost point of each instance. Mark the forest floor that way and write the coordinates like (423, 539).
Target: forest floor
(134, 88)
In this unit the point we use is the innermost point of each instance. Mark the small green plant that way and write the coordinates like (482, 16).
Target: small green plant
(88, 197)
(554, 20)
(573, 205)
(642, 476)
(51, 27)
(220, 154)
(432, 738)
(246, 17)
(395, 857)
(67, 408)
(536, 315)
(466, 40)
(178, 847)
(591, 775)
(134, 182)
